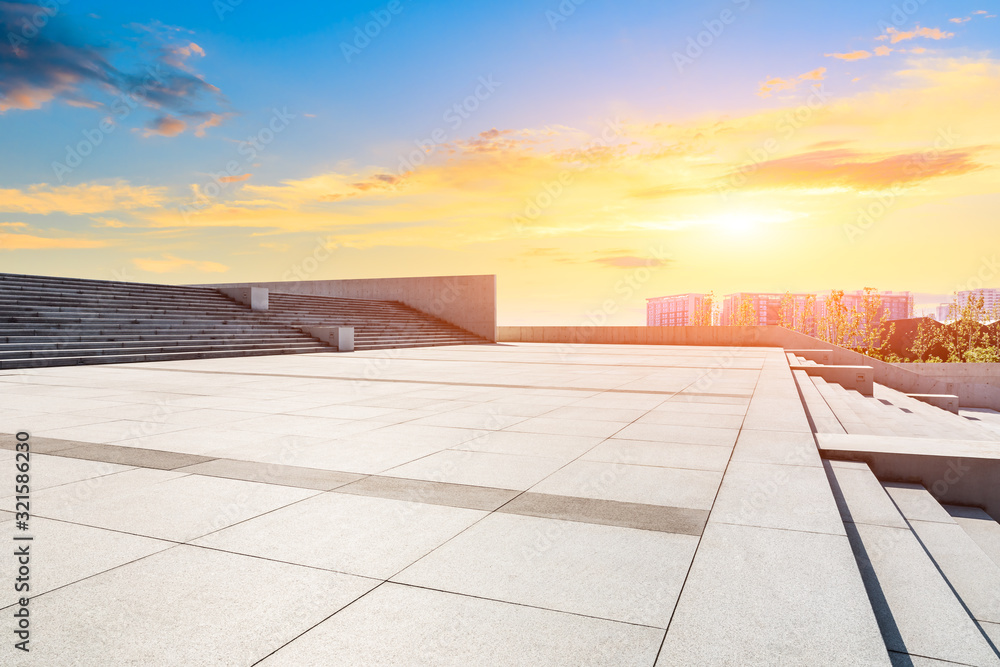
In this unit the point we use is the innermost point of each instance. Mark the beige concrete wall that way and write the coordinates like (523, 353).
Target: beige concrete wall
(971, 395)
(465, 301)
(978, 373)
(976, 385)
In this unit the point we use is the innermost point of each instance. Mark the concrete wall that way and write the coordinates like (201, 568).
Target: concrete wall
(469, 302)
(890, 375)
(950, 479)
(978, 373)
(976, 385)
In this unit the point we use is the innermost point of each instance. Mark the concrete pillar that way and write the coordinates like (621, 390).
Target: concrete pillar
(255, 297)
(340, 337)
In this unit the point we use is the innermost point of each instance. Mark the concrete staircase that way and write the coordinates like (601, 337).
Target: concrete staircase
(834, 409)
(64, 321)
(377, 324)
(931, 572)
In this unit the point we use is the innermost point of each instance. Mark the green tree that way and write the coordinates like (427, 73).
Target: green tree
(873, 328)
(745, 314)
(703, 311)
(786, 311)
(930, 334)
(966, 338)
(838, 325)
(807, 322)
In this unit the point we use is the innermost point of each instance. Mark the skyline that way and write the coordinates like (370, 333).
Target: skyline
(575, 149)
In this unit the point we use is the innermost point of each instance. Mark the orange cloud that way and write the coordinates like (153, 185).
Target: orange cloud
(80, 199)
(214, 120)
(853, 55)
(961, 20)
(882, 50)
(31, 242)
(27, 98)
(895, 35)
(863, 171)
(235, 179)
(765, 88)
(177, 54)
(817, 74)
(170, 263)
(166, 126)
(653, 179)
(630, 261)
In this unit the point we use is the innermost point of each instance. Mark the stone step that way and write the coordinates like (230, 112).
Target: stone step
(917, 610)
(153, 349)
(980, 526)
(104, 343)
(14, 279)
(947, 402)
(972, 574)
(9, 364)
(821, 416)
(62, 321)
(413, 343)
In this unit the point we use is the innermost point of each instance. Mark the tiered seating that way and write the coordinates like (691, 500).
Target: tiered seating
(889, 412)
(66, 321)
(377, 324)
(62, 321)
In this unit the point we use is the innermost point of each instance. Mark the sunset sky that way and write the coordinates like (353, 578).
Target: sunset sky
(585, 153)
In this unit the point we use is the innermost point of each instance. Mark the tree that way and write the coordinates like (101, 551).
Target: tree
(703, 311)
(873, 329)
(838, 324)
(966, 339)
(807, 324)
(786, 311)
(746, 314)
(930, 334)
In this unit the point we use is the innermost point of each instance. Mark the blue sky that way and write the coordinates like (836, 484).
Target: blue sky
(557, 74)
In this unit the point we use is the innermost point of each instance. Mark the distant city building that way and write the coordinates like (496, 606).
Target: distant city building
(766, 307)
(679, 310)
(806, 308)
(898, 304)
(943, 312)
(991, 299)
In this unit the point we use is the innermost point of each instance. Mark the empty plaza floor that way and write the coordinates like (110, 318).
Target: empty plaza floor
(514, 504)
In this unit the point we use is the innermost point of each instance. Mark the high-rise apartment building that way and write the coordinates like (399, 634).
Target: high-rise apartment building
(801, 311)
(679, 310)
(991, 299)
(765, 309)
(804, 310)
(899, 305)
